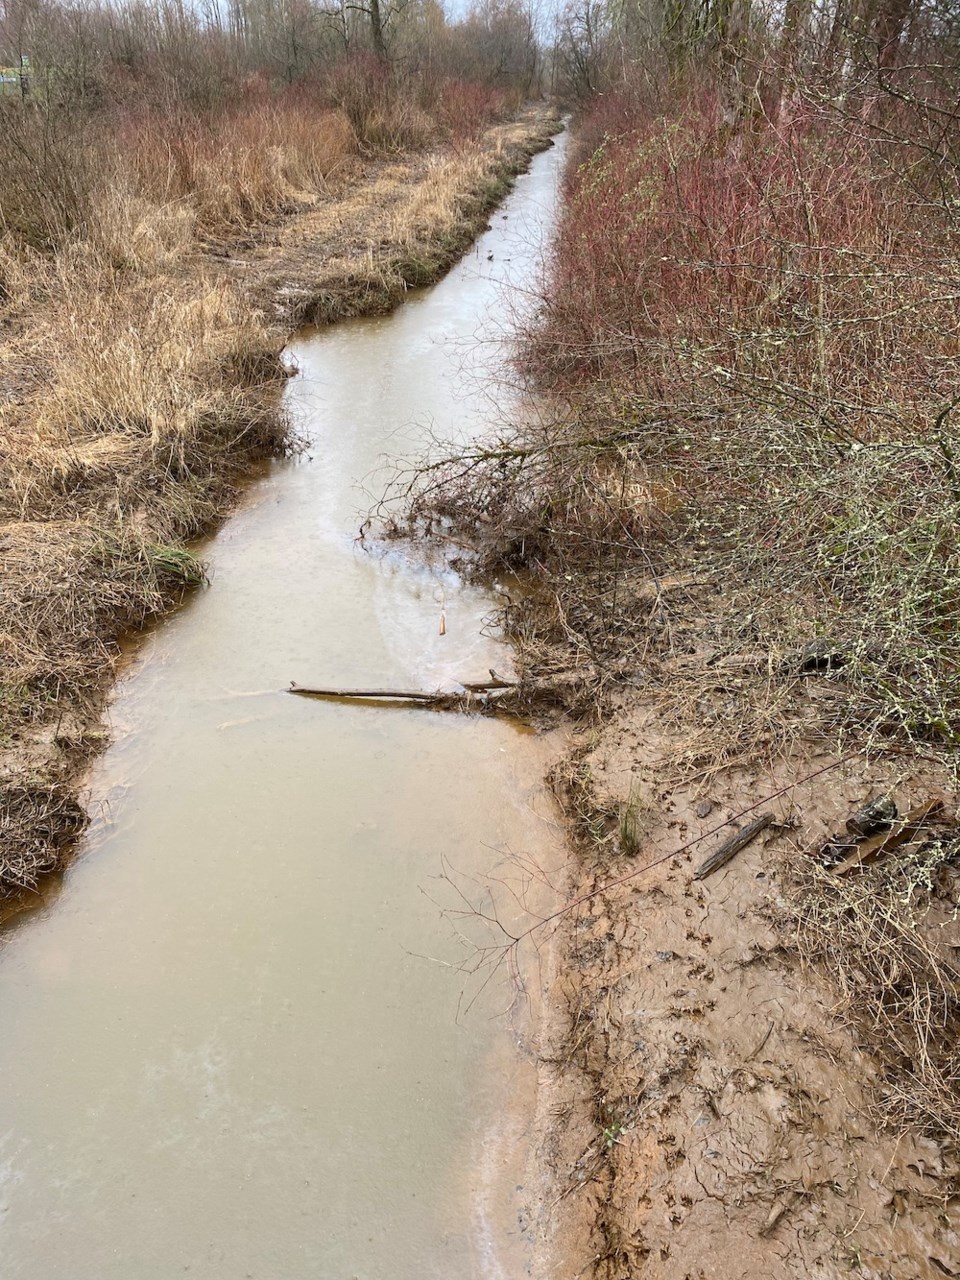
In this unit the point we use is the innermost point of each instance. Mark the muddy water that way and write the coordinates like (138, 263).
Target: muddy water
(230, 1044)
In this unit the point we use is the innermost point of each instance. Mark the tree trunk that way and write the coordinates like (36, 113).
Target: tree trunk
(888, 31)
(838, 44)
(376, 29)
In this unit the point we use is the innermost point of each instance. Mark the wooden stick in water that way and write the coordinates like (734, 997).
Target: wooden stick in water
(403, 695)
(495, 682)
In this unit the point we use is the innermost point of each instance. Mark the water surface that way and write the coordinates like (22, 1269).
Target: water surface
(230, 1044)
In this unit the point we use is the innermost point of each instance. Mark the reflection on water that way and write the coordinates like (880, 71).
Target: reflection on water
(223, 1050)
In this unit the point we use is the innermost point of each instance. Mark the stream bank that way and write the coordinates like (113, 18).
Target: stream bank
(241, 1036)
(94, 518)
(757, 1069)
(723, 1109)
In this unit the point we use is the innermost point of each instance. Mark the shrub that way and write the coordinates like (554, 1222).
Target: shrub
(751, 338)
(46, 174)
(465, 109)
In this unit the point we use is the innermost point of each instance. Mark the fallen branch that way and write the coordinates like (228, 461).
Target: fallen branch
(400, 695)
(512, 697)
(732, 846)
(495, 682)
(485, 696)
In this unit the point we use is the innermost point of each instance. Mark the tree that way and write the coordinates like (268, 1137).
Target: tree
(582, 32)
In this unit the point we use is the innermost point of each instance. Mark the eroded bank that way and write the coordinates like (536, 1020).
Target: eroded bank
(133, 406)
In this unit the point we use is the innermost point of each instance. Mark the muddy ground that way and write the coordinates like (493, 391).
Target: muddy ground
(719, 1100)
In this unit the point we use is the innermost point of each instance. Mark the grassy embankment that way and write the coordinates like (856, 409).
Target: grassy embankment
(751, 336)
(139, 365)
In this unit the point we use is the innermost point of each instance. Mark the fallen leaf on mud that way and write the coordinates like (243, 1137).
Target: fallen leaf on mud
(943, 1268)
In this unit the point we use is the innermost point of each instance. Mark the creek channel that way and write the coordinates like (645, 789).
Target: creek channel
(232, 1039)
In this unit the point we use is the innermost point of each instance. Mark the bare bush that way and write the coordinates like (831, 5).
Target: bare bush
(739, 463)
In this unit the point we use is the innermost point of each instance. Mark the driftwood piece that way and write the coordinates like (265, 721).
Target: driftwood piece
(474, 696)
(739, 840)
(905, 830)
(495, 682)
(399, 695)
(510, 697)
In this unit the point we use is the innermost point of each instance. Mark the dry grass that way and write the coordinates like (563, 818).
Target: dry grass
(39, 821)
(438, 201)
(880, 937)
(121, 184)
(139, 381)
(67, 587)
(235, 172)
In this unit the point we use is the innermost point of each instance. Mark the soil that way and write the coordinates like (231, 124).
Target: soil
(711, 1105)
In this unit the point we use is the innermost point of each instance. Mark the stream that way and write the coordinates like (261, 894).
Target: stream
(233, 1042)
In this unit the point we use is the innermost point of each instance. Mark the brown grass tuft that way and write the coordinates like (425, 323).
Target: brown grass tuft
(879, 935)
